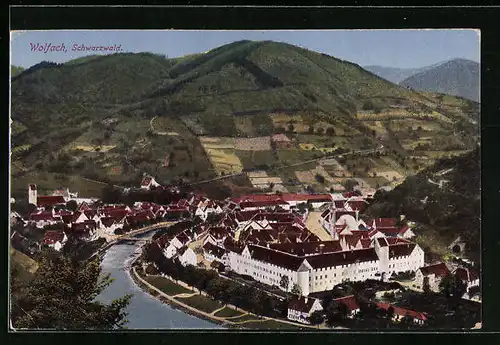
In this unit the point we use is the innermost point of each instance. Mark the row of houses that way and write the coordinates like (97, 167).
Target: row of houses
(301, 308)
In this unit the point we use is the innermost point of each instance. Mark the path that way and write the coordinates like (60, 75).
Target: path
(219, 309)
(185, 295)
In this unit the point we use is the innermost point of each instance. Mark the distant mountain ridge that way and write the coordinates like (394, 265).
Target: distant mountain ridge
(457, 77)
(394, 74)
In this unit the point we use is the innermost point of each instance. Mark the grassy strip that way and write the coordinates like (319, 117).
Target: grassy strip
(166, 286)
(227, 312)
(201, 302)
(246, 317)
(271, 324)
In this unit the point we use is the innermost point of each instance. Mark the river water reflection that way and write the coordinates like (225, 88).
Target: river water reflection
(145, 311)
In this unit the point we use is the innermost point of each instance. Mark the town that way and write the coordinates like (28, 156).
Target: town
(294, 245)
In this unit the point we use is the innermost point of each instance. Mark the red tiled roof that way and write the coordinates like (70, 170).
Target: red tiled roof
(366, 242)
(53, 236)
(43, 216)
(351, 194)
(349, 301)
(291, 262)
(403, 312)
(439, 270)
(307, 248)
(361, 233)
(263, 203)
(342, 258)
(50, 200)
(385, 223)
(83, 227)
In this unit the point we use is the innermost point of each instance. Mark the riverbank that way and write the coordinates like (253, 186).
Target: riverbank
(243, 320)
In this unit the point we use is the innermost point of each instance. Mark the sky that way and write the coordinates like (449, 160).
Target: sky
(391, 48)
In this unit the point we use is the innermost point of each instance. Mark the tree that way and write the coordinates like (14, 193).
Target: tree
(316, 318)
(350, 184)
(320, 178)
(285, 282)
(330, 131)
(72, 205)
(296, 289)
(320, 131)
(62, 296)
(291, 128)
(452, 286)
(310, 130)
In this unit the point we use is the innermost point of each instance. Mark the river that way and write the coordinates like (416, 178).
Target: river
(144, 311)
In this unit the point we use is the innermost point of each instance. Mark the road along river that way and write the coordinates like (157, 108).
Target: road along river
(144, 311)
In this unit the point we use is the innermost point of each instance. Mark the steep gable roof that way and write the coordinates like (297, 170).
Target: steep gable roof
(439, 270)
(302, 304)
(466, 274)
(349, 301)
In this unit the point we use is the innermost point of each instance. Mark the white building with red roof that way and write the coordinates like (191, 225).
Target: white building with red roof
(54, 239)
(400, 313)
(467, 276)
(433, 273)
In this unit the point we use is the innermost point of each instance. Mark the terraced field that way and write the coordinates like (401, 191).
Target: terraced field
(224, 161)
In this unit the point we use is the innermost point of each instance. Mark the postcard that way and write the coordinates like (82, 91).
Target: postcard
(296, 180)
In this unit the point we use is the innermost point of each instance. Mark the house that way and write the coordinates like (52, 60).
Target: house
(301, 308)
(149, 182)
(351, 305)
(213, 252)
(16, 218)
(186, 256)
(434, 273)
(86, 230)
(400, 313)
(467, 276)
(282, 141)
(44, 218)
(54, 239)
